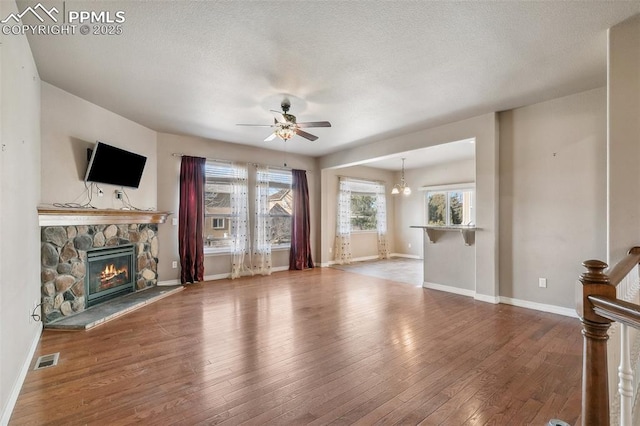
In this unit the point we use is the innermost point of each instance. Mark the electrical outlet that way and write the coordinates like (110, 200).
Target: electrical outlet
(409, 245)
(118, 194)
(542, 282)
(174, 221)
(330, 250)
(100, 192)
(174, 264)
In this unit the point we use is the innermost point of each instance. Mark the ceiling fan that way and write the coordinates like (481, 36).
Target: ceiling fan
(286, 125)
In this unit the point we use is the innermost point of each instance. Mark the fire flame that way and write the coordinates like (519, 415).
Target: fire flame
(110, 272)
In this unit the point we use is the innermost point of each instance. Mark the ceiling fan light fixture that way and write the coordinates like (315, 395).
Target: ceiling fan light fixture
(285, 132)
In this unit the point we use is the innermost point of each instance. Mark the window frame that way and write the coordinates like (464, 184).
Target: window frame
(221, 179)
(281, 185)
(375, 215)
(448, 190)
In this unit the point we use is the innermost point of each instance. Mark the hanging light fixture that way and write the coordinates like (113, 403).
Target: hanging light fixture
(401, 187)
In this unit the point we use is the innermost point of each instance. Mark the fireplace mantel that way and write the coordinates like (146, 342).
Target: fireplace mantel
(53, 216)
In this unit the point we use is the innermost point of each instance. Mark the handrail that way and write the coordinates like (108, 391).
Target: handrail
(597, 306)
(622, 268)
(617, 310)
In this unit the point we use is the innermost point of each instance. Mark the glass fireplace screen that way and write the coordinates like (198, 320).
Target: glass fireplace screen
(110, 273)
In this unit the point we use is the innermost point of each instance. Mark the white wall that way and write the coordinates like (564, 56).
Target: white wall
(19, 196)
(363, 244)
(623, 138)
(70, 125)
(169, 194)
(552, 195)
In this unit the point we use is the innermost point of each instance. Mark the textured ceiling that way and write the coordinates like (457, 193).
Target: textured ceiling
(374, 69)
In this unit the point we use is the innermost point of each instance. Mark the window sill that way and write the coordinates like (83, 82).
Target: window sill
(208, 253)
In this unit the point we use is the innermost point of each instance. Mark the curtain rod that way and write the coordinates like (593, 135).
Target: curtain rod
(177, 154)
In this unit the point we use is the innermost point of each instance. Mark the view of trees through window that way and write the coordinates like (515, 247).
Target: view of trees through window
(363, 212)
(446, 208)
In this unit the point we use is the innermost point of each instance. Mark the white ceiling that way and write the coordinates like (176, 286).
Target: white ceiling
(375, 69)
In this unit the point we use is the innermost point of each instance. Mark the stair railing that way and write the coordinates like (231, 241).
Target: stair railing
(598, 306)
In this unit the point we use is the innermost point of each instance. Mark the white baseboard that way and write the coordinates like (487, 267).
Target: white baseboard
(567, 312)
(364, 258)
(449, 289)
(168, 282)
(406, 256)
(17, 386)
(487, 299)
(559, 310)
(218, 276)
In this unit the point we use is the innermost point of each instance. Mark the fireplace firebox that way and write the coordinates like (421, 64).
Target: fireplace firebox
(110, 273)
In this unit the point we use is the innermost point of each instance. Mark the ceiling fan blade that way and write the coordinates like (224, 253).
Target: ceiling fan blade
(279, 116)
(271, 137)
(315, 124)
(256, 125)
(306, 135)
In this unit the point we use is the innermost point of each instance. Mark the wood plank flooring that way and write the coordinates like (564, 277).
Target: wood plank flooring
(313, 347)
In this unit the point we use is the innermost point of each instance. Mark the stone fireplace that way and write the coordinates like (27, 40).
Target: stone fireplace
(86, 264)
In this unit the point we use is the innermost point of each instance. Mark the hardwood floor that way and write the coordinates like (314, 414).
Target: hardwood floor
(311, 347)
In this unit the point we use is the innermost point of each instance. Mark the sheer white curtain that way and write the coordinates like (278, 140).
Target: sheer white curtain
(343, 224)
(261, 256)
(240, 254)
(381, 217)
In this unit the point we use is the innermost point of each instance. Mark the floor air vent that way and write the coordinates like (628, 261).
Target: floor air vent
(46, 361)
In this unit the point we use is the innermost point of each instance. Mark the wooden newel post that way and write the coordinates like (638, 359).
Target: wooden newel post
(595, 391)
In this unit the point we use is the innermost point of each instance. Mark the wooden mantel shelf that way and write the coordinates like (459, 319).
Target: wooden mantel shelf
(468, 232)
(53, 216)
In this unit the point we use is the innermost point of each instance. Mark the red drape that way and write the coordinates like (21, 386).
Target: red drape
(300, 253)
(191, 218)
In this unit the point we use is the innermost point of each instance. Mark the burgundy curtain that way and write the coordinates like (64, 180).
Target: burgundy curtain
(191, 218)
(300, 254)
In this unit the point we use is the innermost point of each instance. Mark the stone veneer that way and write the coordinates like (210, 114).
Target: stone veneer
(64, 254)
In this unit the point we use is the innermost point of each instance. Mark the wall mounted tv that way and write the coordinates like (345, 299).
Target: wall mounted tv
(115, 166)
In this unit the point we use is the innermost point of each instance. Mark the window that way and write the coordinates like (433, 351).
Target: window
(217, 206)
(363, 212)
(280, 206)
(364, 204)
(450, 208)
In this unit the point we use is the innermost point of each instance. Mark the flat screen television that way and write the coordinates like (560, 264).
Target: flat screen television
(115, 166)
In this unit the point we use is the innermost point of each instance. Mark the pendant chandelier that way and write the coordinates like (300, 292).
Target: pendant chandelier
(401, 187)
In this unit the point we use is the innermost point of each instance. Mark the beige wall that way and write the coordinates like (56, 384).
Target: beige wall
(552, 195)
(70, 125)
(623, 138)
(363, 244)
(449, 261)
(19, 196)
(410, 210)
(169, 193)
(485, 131)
